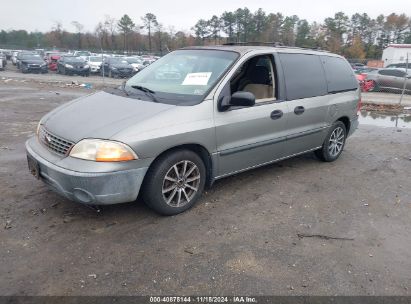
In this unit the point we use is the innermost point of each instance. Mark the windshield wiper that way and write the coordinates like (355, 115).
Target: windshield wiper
(144, 89)
(147, 91)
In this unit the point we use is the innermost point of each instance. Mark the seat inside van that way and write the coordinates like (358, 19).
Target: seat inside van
(256, 76)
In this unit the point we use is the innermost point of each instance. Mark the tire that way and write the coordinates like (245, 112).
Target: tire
(333, 144)
(180, 193)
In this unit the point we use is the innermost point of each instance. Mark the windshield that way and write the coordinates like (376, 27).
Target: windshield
(183, 76)
(74, 59)
(95, 59)
(31, 57)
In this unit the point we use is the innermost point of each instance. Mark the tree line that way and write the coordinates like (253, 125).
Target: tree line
(356, 36)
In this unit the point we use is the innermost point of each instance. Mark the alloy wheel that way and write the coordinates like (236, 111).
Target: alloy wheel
(181, 183)
(336, 142)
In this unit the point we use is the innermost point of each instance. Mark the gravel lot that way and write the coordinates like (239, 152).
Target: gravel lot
(250, 234)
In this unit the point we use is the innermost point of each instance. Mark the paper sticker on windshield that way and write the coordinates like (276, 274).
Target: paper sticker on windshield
(197, 78)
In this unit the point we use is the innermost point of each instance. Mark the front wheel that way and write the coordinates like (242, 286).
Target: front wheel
(174, 182)
(333, 144)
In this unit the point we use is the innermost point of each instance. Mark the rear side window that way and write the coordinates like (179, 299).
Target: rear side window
(395, 73)
(304, 76)
(340, 76)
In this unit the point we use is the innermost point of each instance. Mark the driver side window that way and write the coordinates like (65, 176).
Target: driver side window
(257, 76)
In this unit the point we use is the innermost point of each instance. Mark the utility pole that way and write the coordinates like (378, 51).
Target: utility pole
(405, 79)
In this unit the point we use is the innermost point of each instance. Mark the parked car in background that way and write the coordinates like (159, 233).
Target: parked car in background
(390, 79)
(3, 60)
(20, 56)
(357, 65)
(8, 54)
(365, 70)
(95, 63)
(14, 57)
(52, 61)
(136, 63)
(35, 63)
(232, 109)
(70, 65)
(117, 67)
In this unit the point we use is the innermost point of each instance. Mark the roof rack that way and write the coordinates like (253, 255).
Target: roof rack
(255, 43)
(273, 44)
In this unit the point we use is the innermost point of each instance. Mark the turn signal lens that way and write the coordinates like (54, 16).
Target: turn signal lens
(102, 151)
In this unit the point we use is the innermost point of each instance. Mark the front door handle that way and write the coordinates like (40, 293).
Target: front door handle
(299, 110)
(276, 114)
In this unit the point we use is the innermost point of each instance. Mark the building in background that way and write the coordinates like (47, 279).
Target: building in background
(396, 53)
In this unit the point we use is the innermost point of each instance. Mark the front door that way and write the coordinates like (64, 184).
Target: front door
(251, 136)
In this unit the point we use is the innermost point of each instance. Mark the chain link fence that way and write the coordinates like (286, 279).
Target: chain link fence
(382, 83)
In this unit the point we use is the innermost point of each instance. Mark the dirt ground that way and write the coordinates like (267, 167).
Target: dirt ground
(298, 227)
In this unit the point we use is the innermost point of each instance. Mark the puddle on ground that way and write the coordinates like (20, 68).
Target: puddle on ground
(390, 121)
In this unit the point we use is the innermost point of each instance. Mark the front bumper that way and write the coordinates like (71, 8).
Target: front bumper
(38, 69)
(97, 188)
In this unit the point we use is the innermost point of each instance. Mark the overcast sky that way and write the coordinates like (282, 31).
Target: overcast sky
(40, 15)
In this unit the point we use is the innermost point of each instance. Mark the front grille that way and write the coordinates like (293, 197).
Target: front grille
(54, 143)
(34, 65)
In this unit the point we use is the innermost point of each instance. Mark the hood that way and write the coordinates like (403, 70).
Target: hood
(100, 115)
(76, 63)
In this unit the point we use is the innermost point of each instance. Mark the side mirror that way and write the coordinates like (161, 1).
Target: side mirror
(242, 99)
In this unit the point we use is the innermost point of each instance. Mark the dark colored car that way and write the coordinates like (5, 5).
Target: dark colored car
(117, 67)
(32, 63)
(69, 65)
(20, 56)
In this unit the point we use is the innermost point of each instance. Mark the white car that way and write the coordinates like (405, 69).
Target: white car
(14, 57)
(95, 63)
(136, 63)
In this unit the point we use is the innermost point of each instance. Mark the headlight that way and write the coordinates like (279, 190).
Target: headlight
(69, 66)
(102, 151)
(86, 66)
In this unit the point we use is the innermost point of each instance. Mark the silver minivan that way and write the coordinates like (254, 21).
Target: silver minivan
(194, 116)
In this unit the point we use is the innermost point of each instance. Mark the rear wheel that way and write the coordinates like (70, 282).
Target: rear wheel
(333, 144)
(174, 182)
